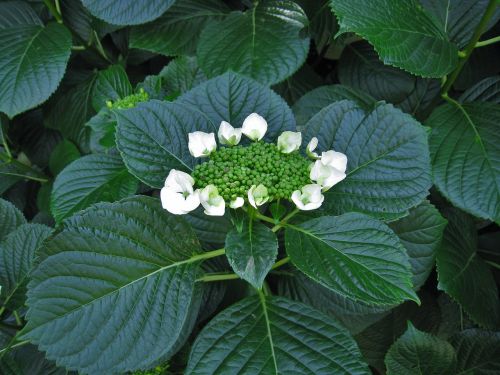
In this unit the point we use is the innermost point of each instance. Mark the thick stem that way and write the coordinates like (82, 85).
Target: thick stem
(490, 10)
(280, 262)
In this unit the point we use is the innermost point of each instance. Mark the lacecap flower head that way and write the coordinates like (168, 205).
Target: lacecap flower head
(253, 175)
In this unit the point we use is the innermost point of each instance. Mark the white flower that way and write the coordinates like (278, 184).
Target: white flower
(237, 203)
(325, 175)
(177, 196)
(308, 198)
(201, 144)
(258, 195)
(289, 141)
(311, 146)
(228, 135)
(254, 127)
(334, 159)
(212, 202)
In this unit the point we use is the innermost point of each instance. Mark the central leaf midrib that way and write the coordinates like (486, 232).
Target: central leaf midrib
(268, 328)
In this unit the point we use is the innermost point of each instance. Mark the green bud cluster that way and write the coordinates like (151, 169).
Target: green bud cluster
(129, 101)
(233, 170)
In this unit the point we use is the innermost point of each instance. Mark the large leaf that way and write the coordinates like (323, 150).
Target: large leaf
(90, 179)
(32, 63)
(127, 12)
(403, 34)
(251, 250)
(420, 233)
(294, 87)
(14, 13)
(17, 253)
(210, 230)
(262, 43)
(465, 150)
(388, 168)
(178, 30)
(354, 255)
(130, 269)
(487, 90)
(463, 274)
(153, 139)
(417, 353)
(478, 352)
(10, 218)
(273, 335)
(232, 97)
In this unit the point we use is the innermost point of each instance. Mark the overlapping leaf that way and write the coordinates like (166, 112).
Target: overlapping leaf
(10, 218)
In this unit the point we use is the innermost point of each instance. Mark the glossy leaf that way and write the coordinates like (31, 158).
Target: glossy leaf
(273, 335)
(388, 168)
(127, 267)
(417, 353)
(90, 179)
(17, 254)
(251, 251)
(403, 34)
(153, 139)
(465, 151)
(32, 63)
(232, 97)
(10, 218)
(262, 43)
(354, 255)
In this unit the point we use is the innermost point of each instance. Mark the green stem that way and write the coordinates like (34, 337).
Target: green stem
(490, 10)
(2, 309)
(218, 277)
(5, 145)
(53, 10)
(268, 219)
(207, 255)
(493, 264)
(280, 262)
(487, 42)
(78, 48)
(18, 318)
(13, 346)
(278, 226)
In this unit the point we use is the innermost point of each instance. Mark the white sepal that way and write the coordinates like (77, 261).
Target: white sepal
(289, 141)
(258, 195)
(228, 135)
(201, 144)
(254, 127)
(308, 198)
(325, 175)
(177, 196)
(237, 203)
(212, 202)
(335, 159)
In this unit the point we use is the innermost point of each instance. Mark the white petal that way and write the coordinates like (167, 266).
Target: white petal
(296, 195)
(289, 141)
(179, 181)
(201, 144)
(335, 159)
(254, 127)
(175, 203)
(333, 179)
(213, 203)
(251, 199)
(311, 146)
(237, 203)
(229, 135)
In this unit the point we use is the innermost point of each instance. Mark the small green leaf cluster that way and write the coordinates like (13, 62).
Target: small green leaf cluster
(233, 170)
(129, 101)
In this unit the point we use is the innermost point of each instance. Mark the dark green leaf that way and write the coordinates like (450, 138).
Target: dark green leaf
(128, 268)
(210, 230)
(153, 139)
(63, 154)
(463, 274)
(127, 12)
(487, 90)
(15, 13)
(251, 251)
(17, 253)
(178, 30)
(417, 353)
(262, 43)
(388, 168)
(354, 255)
(403, 34)
(180, 76)
(32, 63)
(322, 23)
(111, 84)
(10, 218)
(273, 335)
(88, 180)
(478, 352)
(465, 150)
(294, 87)
(420, 233)
(232, 97)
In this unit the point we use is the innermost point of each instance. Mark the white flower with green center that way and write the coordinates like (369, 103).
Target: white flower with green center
(237, 202)
(211, 201)
(178, 196)
(308, 198)
(228, 135)
(311, 146)
(325, 175)
(258, 195)
(254, 127)
(201, 144)
(289, 141)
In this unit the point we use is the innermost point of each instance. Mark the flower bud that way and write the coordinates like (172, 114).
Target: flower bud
(177, 196)
(311, 146)
(201, 144)
(212, 202)
(254, 127)
(308, 198)
(258, 195)
(289, 141)
(228, 135)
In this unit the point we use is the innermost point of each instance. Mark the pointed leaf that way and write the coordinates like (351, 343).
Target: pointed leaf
(130, 269)
(273, 335)
(10, 218)
(354, 255)
(251, 251)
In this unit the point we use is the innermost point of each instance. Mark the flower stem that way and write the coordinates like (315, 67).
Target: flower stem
(487, 42)
(278, 226)
(490, 10)
(218, 277)
(258, 215)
